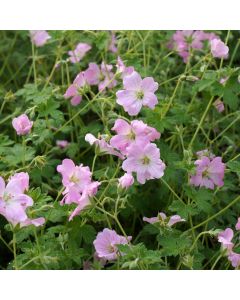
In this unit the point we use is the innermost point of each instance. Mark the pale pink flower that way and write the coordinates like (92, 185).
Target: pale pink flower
(74, 176)
(208, 172)
(103, 76)
(84, 200)
(205, 152)
(122, 69)
(102, 145)
(62, 143)
(106, 244)
(137, 92)
(219, 105)
(74, 90)
(79, 187)
(225, 238)
(22, 179)
(79, 52)
(13, 201)
(126, 181)
(127, 134)
(238, 224)
(39, 37)
(113, 43)
(22, 124)
(163, 219)
(144, 159)
(219, 49)
(234, 259)
(223, 80)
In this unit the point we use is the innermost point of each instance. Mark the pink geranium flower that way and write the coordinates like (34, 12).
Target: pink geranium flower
(113, 43)
(128, 134)
(62, 143)
(74, 90)
(39, 37)
(219, 49)
(106, 244)
(103, 76)
(137, 92)
(234, 258)
(79, 52)
(126, 181)
(144, 159)
(238, 224)
(219, 105)
(225, 238)
(74, 176)
(22, 124)
(14, 201)
(208, 172)
(163, 219)
(84, 200)
(79, 187)
(102, 145)
(122, 69)
(205, 152)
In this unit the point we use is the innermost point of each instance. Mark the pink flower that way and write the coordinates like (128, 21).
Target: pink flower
(79, 187)
(106, 244)
(138, 92)
(22, 124)
(126, 181)
(223, 80)
(77, 177)
(208, 172)
(219, 105)
(122, 69)
(74, 90)
(219, 49)
(162, 218)
(79, 52)
(103, 76)
(234, 259)
(225, 238)
(84, 199)
(113, 44)
(62, 143)
(13, 201)
(238, 224)
(205, 152)
(128, 134)
(39, 37)
(102, 145)
(185, 40)
(144, 159)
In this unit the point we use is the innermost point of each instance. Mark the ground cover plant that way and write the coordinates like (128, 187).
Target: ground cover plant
(119, 150)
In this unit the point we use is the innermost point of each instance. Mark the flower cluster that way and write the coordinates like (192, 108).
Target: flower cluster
(101, 76)
(209, 172)
(106, 244)
(78, 184)
(14, 202)
(185, 40)
(225, 238)
(133, 143)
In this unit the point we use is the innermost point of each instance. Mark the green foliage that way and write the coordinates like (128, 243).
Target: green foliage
(34, 83)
